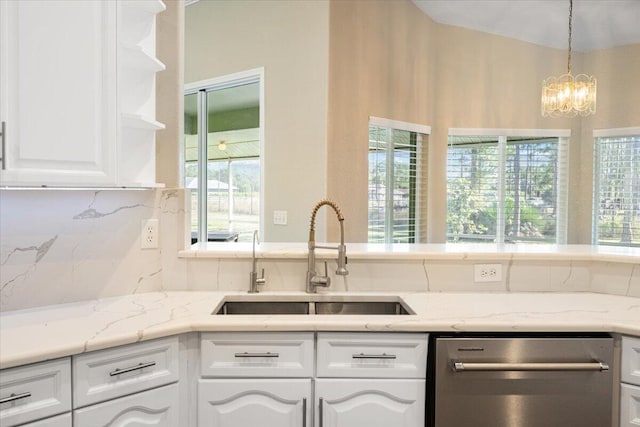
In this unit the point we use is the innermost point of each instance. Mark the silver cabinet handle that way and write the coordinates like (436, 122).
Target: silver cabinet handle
(137, 367)
(13, 397)
(267, 354)
(3, 140)
(464, 366)
(304, 412)
(320, 405)
(373, 356)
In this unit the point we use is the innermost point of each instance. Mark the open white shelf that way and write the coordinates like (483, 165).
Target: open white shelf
(148, 6)
(139, 121)
(136, 57)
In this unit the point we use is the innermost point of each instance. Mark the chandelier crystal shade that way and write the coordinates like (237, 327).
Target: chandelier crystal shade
(569, 96)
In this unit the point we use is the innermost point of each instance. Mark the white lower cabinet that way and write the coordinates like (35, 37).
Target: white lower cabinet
(157, 407)
(370, 402)
(254, 402)
(371, 379)
(271, 379)
(630, 387)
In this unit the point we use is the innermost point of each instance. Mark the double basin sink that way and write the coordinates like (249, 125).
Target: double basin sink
(312, 305)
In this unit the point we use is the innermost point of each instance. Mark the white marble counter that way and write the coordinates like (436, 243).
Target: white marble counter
(37, 334)
(404, 252)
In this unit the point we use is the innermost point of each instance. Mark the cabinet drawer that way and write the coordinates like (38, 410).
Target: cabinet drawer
(259, 354)
(115, 372)
(372, 355)
(629, 406)
(630, 372)
(35, 391)
(157, 407)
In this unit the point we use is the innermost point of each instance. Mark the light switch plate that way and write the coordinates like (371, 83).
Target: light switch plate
(280, 217)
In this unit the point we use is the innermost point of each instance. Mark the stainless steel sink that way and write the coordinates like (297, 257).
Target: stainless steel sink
(320, 305)
(264, 307)
(361, 307)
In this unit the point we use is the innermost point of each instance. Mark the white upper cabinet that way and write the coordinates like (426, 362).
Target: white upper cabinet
(68, 92)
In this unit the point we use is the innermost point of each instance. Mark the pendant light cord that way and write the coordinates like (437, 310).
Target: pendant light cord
(570, 28)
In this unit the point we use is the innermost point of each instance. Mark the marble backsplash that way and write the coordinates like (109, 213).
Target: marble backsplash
(419, 276)
(60, 246)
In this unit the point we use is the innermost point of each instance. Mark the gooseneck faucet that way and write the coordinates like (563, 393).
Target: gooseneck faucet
(314, 280)
(254, 279)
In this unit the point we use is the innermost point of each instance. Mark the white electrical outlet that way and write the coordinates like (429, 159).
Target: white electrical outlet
(280, 217)
(487, 272)
(149, 234)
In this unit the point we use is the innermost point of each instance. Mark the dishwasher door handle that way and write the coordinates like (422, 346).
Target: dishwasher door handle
(497, 367)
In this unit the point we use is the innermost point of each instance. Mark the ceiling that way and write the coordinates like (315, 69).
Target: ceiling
(597, 24)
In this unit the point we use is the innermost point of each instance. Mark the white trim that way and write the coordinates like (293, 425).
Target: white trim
(601, 133)
(229, 80)
(502, 161)
(510, 132)
(399, 125)
(562, 192)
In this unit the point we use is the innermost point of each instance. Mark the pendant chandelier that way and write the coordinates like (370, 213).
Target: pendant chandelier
(569, 96)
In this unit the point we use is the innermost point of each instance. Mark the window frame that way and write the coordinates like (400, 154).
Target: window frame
(420, 189)
(201, 88)
(502, 135)
(595, 190)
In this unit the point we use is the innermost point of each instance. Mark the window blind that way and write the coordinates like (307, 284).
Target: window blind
(616, 194)
(506, 189)
(394, 180)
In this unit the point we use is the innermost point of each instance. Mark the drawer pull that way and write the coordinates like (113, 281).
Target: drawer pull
(304, 412)
(267, 354)
(13, 397)
(132, 368)
(374, 356)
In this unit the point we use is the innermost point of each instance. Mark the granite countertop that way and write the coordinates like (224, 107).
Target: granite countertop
(43, 333)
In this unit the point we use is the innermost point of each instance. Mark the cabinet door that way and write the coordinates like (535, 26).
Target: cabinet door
(630, 372)
(158, 407)
(57, 92)
(254, 402)
(370, 403)
(629, 405)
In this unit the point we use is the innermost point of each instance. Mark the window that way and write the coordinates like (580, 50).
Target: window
(616, 187)
(397, 181)
(506, 188)
(223, 125)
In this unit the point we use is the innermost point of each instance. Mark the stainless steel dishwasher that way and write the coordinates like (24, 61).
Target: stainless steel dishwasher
(521, 381)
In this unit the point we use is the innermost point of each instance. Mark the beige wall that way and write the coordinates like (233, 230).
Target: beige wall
(290, 39)
(465, 79)
(380, 65)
